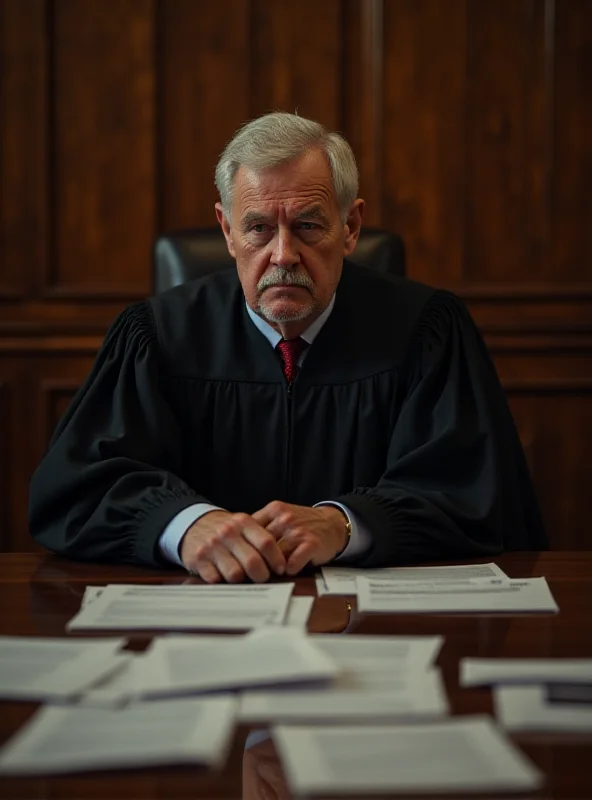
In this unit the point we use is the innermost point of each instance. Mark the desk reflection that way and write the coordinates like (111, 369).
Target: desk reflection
(263, 776)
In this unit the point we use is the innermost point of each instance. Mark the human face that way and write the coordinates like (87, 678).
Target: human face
(289, 240)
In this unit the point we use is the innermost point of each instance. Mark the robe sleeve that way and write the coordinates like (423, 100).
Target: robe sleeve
(456, 484)
(108, 484)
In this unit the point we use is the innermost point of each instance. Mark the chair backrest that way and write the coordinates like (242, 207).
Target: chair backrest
(183, 255)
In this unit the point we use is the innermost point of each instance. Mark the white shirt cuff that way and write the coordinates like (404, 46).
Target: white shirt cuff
(170, 538)
(360, 540)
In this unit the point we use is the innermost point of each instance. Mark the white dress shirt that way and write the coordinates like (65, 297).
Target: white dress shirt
(170, 540)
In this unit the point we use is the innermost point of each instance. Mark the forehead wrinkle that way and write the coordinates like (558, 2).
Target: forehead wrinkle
(254, 206)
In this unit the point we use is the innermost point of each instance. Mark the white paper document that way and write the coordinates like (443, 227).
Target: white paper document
(382, 677)
(76, 738)
(91, 593)
(527, 708)
(342, 580)
(174, 666)
(478, 596)
(298, 612)
(461, 755)
(46, 668)
(357, 696)
(217, 607)
(417, 653)
(484, 671)
(299, 608)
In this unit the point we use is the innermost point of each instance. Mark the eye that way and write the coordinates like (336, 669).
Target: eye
(308, 226)
(260, 227)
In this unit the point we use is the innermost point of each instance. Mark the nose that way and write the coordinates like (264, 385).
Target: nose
(285, 249)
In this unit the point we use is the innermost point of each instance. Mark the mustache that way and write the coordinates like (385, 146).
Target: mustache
(285, 277)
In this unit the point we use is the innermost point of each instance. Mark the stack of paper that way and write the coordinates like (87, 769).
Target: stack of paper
(74, 739)
(297, 615)
(218, 607)
(534, 708)
(552, 694)
(52, 668)
(460, 755)
(185, 665)
(342, 580)
(484, 595)
(385, 677)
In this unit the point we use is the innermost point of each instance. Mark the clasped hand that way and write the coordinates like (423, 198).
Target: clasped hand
(280, 538)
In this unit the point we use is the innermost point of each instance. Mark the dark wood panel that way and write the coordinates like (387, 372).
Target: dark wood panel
(296, 58)
(363, 99)
(38, 386)
(5, 466)
(204, 97)
(507, 142)
(556, 431)
(103, 93)
(23, 145)
(572, 168)
(424, 64)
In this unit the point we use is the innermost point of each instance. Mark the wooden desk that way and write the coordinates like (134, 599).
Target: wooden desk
(39, 594)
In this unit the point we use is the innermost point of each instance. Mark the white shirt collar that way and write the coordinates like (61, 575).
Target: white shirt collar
(309, 334)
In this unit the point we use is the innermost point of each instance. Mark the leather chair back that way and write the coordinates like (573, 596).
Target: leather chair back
(184, 255)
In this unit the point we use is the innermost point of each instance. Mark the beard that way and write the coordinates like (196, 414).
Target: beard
(283, 277)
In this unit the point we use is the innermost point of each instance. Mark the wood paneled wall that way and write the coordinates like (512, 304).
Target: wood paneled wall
(472, 124)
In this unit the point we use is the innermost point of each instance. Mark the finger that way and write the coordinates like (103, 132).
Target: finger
(300, 557)
(208, 572)
(227, 565)
(270, 512)
(250, 559)
(287, 545)
(266, 544)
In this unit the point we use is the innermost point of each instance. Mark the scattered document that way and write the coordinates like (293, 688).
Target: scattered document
(356, 696)
(215, 607)
(299, 609)
(190, 665)
(527, 708)
(461, 755)
(75, 739)
(320, 585)
(52, 668)
(342, 580)
(417, 653)
(382, 677)
(91, 593)
(477, 596)
(485, 671)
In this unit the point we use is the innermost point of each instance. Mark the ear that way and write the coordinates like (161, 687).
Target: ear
(225, 225)
(352, 226)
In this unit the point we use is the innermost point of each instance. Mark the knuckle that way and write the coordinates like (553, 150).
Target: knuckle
(202, 552)
(276, 507)
(241, 519)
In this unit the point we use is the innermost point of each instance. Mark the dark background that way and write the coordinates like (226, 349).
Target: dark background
(472, 124)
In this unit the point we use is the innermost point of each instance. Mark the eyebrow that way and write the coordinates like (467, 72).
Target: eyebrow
(256, 217)
(253, 217)
(312, 212)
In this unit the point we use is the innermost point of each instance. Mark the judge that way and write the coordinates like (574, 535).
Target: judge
(297, 410)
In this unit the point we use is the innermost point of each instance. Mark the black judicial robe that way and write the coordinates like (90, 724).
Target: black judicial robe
(397, 413)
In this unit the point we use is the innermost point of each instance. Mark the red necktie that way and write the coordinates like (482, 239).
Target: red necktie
(290, 350)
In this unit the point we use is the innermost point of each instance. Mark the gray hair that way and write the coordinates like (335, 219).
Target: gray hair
(273, 139)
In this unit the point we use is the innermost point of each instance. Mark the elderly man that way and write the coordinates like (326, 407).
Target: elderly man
(296, 411)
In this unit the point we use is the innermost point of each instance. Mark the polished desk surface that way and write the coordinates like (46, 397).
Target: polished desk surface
(38, 594)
